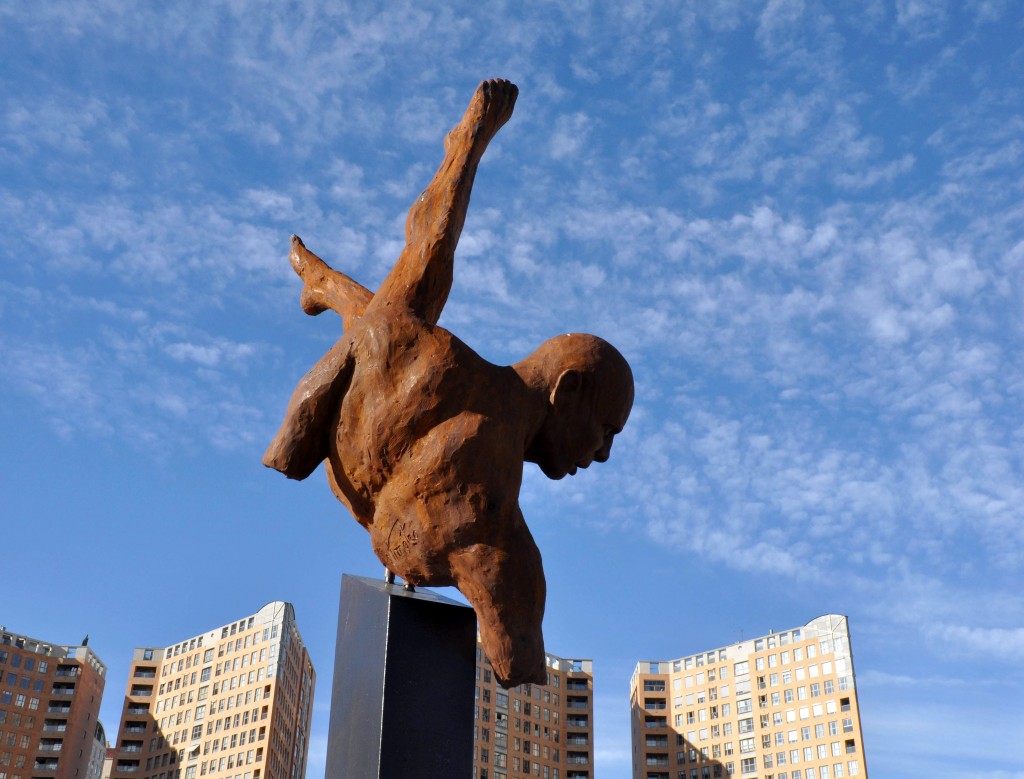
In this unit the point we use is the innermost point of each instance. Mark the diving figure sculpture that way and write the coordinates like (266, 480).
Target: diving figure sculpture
(424, 440)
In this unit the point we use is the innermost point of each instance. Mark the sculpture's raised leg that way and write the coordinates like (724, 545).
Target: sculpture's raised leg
(422, 276)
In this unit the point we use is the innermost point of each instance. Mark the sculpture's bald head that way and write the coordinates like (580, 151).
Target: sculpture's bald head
(590, 393)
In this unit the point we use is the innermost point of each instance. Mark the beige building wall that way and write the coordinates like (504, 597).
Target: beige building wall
(533, 730)
(783, 706)
(49, 703)
(233, 703)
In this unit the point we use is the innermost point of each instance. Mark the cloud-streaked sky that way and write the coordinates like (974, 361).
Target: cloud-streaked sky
(802, 223)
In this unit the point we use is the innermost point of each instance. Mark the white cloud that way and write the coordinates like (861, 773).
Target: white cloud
(921, 18)
(881, 679)
(869, 177)
(274, 204)
(211, 355)
(1004, 644)
(570, 135)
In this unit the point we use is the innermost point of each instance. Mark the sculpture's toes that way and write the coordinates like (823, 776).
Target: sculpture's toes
(299, 257)
(310, 269)
(495, 100)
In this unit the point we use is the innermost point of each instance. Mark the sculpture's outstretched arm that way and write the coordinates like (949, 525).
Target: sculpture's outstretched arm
(303, 440)
(325, 288)
(504, 582)
(422, 277)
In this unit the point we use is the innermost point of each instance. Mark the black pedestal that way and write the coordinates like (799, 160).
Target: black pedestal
(402, 700)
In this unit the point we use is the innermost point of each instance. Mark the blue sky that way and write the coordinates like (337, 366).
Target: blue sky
(800, 221)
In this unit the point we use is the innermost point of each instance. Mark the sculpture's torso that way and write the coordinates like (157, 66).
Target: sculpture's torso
(423, 454)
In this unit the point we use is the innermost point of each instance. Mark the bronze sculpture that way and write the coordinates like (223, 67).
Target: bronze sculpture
(425, 440)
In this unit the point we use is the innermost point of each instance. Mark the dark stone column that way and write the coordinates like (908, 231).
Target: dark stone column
(402, 699)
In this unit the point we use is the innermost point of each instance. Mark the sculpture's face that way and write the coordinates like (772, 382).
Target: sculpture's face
(586, 415)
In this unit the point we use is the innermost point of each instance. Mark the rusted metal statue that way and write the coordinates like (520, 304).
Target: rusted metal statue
(425, 440)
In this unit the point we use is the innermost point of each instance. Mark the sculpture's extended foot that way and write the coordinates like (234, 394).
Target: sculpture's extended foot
(324, 288)
(312, 270)
(491, 106)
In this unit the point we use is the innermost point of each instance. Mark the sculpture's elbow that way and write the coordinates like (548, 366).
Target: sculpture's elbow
(293, 463)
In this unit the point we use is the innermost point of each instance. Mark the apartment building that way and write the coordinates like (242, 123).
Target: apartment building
(535, 730)
(232, 703)
(783, 706)
(49, 704)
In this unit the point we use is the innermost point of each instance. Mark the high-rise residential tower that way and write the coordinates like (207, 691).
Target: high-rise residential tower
(534, 730)
(49, 703)
(232, 703)
(783, 706)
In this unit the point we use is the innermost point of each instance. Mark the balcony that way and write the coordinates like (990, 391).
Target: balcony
(59, 708)
(577, 758)
(577, 703)
(577, 722)
(53, 745)
(577, 739)
(63, 689)
(55, 726)
(144, 673)
(138, 709)
(576, 684)
(141, 690)
(66, 670)
(653, 685)
(45, 764)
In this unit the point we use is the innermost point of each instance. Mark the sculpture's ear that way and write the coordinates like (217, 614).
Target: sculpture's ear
(303, 441)
(568, 383)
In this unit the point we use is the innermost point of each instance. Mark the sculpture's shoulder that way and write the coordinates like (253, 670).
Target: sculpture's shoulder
(423, 370)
